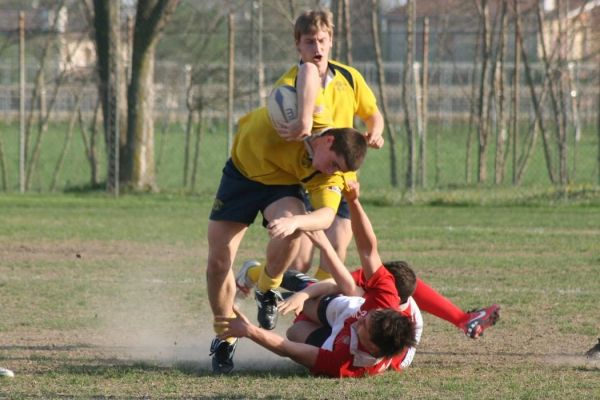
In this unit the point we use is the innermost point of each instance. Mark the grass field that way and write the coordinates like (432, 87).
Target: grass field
(103, 297)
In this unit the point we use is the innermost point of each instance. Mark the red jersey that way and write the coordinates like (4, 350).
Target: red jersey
(347, 358)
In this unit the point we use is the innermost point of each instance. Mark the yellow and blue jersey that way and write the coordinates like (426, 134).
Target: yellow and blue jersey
(260, 154)
(345, 95)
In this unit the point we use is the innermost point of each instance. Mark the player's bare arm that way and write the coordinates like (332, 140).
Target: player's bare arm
(240, 326)
(337, 269)
(375, 126)
(295, 303)
(308, 85)
(319, 219)
(364, 236)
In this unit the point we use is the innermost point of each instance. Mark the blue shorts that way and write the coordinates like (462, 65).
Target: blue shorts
(343, 211)
(239, 199)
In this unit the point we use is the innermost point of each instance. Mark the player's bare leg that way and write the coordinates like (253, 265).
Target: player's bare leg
(303, 261)
(224, 238)
(280, 253)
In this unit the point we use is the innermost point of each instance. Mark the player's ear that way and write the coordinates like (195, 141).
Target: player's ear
(329, 140)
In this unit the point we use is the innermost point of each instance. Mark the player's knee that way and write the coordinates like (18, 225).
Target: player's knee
(218, 264)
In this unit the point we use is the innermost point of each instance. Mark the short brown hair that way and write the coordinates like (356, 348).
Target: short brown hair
(311, 21)
(405, 278)
(350, 144)
(391, 332)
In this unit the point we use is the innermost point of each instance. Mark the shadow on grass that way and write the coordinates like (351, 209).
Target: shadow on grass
(116, 368)
(48, 347)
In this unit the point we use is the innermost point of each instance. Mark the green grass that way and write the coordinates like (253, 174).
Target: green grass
(105, 297)
(446, 160)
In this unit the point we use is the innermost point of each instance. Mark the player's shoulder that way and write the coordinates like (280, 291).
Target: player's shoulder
(345, 69)
(338, 65)
(288, 77)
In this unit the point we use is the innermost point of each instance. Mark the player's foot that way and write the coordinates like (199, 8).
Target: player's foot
(222, 355)
(480, 319)
(243, 283)
(594, 352)
(267, 308)
(295, 281)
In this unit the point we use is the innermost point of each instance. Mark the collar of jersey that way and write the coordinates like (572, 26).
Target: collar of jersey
(330, 73)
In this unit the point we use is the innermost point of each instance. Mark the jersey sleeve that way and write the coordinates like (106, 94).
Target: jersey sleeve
(325, 190)
(364, 97)
(380, 291)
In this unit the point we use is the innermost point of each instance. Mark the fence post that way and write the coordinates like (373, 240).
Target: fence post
(22, 102)
(230, 81)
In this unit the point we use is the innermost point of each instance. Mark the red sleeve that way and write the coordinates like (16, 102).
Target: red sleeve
(380, 291)
(335, 364)
(358, 277)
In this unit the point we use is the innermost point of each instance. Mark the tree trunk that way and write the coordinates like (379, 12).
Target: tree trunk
(67, 143)
(482, 129)
(422, 171)
(348, 31)
(410, 136)
(90, 146)
(537, 108)
(502, 135)
(199, 135)
(138, 162)
(553, 76)
(3, 167)
(516, 96)
(112, 86)
(472, 106)
(391, 133)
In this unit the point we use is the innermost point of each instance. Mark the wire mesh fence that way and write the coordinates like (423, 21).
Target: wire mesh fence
(191, 104)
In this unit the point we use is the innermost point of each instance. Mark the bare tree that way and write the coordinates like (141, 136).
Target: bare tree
(68, 135)
(516, 95)
(538, 121)
(422, 168)
(90, 143)
(391, 133)
(112, 84)
(553, 75)
(138, 163)
(472, 97)
(348, 31)
(501, 134)
(483, 110)
(410, 136)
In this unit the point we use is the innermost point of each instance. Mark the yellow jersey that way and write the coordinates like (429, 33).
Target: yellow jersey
(260, 154)
(345, 95)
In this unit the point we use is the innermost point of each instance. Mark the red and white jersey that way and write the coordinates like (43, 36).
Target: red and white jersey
(341, 355)
(411, 307)
(343, 307)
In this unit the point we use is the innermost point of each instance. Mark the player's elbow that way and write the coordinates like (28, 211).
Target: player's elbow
(326, 218)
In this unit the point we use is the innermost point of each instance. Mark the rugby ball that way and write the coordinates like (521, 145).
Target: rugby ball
(282, 104)
(4, 372)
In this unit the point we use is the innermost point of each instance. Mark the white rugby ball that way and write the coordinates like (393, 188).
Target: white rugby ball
(6, 373)
(282, 104)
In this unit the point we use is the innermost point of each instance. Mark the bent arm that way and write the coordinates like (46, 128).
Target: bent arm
(316, 220)
(375, 126)
(308, 85)
(240, 326)
(337, 269)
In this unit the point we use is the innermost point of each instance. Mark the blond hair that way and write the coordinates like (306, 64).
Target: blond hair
(312, 21)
